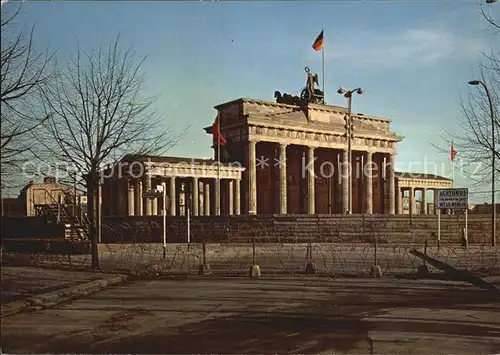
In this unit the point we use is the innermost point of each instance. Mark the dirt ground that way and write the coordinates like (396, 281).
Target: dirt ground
(269, 315)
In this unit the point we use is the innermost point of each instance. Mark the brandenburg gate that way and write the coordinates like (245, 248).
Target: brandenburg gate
(285, 157)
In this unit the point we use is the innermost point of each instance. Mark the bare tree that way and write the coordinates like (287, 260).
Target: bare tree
(24, 74)
(474, 142)
(97, 115)
(487, 17)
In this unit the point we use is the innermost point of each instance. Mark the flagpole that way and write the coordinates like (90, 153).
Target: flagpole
(217, 187)
(323, 62)
(452, 156)
(452, 172)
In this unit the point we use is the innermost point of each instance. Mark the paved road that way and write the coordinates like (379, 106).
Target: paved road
(22, 282)
(268, 315)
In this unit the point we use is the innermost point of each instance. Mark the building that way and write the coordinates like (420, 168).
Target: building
(284, 157)
(49, 192)
(34, 197)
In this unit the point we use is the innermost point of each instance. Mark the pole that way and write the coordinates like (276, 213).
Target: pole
(330, 207)
(465, 230)
(493, 152)
(164, 210)
(349, 151)
(99, 204)
(439, 228)
(253, 252)
(217, 185)
(452, 212)
(74, 196)
(188, 212)
(452, 173)
(58, 209)
(323, 62)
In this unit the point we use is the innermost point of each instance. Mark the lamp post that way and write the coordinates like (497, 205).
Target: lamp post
(348, 94)
(493, 152)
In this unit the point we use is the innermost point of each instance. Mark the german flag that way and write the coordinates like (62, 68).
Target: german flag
(318, 43)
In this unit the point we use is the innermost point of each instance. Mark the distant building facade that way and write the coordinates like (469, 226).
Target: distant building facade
(36, 196)
(49, 192)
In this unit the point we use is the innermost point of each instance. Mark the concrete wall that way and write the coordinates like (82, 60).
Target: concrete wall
(297, 228)
(31, 227)
(12, 207)
(330, 258)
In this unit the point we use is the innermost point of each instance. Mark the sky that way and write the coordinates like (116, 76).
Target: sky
(413, 59)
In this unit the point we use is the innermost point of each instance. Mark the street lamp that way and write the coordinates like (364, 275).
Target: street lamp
(493, 152)
(491, 1)
(348, 94)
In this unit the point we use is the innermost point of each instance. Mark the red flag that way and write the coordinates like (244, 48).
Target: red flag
(216, 134)
(453, 152)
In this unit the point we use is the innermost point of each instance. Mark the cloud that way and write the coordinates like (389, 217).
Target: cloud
(417, 46)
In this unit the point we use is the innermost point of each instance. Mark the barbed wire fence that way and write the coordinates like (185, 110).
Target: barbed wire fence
(280, 245)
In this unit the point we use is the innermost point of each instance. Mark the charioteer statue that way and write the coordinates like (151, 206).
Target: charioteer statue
(310, 94)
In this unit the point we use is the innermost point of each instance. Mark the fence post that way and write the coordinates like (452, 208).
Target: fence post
(204, 268)
(423, 270)
(310, 265)
(253, 252)
(254, 268)
(375, 270)
(204, 247)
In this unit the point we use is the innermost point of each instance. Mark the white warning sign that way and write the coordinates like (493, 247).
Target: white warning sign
(454, 199)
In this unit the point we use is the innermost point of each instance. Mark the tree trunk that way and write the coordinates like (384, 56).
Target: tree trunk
(92, 211)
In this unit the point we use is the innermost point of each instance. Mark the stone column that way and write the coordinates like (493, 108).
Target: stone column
(131, 195)
(201, 199)
(282, 174)
(146, 201)
(345, 182)
(206, 196)
(391, 184)
(154, 205)
(230, 192)
(196, 197)
(423, 209)
(310, 180)
(217, 195)
(369, 182)
(412, 200)
(252, 178)
(237, 197)
(183, 198)
(171, 195)
(399, 200)
(435, 201)
(138, 198)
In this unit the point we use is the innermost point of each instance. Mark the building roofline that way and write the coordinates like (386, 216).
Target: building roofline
(170, 159)
(410, 175)
(319, 107)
